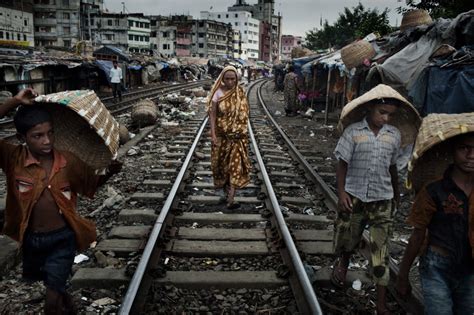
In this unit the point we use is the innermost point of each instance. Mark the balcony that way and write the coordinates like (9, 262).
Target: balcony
(183, 41)
(45, 22)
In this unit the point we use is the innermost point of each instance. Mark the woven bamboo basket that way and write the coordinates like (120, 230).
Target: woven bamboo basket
(83, 126)
(432, 152)
(353, 55)
(415, 18)
(406, 118)
(144, 113)
(124, 136)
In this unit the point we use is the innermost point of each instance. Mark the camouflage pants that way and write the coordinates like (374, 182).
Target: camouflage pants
(350, 226)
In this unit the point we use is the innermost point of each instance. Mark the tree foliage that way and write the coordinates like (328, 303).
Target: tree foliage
(352, 24)
(439, 8)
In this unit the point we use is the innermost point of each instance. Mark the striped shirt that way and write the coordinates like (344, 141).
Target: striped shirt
(369, 158)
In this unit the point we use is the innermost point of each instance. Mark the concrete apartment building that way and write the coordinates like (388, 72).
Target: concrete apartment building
(212, 39)
(129, 32)
(16, 23)
(247, 26)
(237, 44)
(288, 42)
(163, 35)
(56, 22)
(264, 11)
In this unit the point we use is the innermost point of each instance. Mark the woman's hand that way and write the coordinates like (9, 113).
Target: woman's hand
(213, 139)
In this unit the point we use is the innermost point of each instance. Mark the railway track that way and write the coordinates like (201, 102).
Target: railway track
(176, 249)
(247, 255)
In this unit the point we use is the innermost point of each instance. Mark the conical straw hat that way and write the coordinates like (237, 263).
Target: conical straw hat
(406, 118)
(432, 153)
(415, 18)
(83, 126)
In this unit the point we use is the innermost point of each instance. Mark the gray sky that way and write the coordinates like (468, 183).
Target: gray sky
(299, 16)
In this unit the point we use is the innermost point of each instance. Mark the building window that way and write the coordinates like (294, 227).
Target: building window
(130, 23)
(1, 34)
(236, 15)
(165, 34)
(201, 24)
(236, 23)
(166, 46)
(201, 45)
(218, 16)
(137, 38)
(66, 2)
(245, 23)
(67, 43)
(109, 22)
(130, 37)
(8, 35)
(18, 37)
(26, 22)
(66, 30)
(227, 16)
(117, 22)
(201, 35)
(66, 16)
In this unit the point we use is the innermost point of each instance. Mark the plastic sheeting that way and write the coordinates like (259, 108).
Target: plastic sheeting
(403, 69)
(445, 90)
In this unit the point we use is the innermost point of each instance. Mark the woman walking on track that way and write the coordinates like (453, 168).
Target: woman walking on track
(228, 111)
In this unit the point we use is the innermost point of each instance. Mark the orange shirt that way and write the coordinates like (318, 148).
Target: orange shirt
(438, 207)
(25, 184)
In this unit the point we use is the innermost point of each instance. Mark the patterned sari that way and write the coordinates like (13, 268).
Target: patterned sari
(230, 162)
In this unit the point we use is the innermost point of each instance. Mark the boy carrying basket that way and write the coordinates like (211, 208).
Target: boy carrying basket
(42, 188)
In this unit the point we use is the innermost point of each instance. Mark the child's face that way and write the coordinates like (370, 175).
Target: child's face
(40, 139)
(380, 114)
(464, 154)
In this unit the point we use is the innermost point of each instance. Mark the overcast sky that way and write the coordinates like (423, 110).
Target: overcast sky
(299, 16)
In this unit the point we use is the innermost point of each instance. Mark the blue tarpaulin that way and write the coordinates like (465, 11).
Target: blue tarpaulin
(134, 67)
(105, 65)
(445, 90)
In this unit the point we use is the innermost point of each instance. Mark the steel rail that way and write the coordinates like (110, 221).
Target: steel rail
(307, 288)
(142, 267)
(331, 198)
(414, 301)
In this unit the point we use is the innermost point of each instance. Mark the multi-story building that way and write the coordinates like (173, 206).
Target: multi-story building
(16, 22)
(212, 39)
(243, 22)
(288, 42)
(237, 44)
(264, 11)
(138, 33)
(163, 35)
(130, 32)
(265, 49)
(56, 23)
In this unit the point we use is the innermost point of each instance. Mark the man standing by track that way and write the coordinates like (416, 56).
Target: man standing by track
(116, 80)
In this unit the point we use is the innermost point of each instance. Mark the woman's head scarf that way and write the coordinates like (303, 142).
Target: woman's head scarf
(220, 82)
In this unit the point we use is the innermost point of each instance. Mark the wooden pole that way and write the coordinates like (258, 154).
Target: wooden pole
(327, 98)
(314, 86)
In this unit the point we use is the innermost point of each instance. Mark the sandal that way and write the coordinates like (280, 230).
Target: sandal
(233, 205)
(337, 270)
